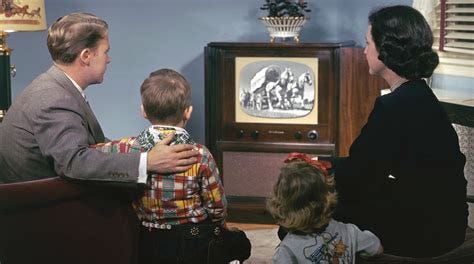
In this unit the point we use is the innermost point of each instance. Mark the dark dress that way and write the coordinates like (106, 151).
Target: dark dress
(403, 178)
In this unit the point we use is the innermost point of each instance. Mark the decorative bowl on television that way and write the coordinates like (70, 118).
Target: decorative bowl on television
(284, 27)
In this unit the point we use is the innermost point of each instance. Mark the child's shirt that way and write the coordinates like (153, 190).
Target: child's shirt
(173, 199)
(338, 243)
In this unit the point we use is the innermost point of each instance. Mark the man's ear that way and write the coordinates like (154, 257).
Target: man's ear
(85, 56)
(143, 111)
(187, 113)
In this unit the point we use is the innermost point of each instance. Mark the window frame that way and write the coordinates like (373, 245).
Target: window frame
(451, 62)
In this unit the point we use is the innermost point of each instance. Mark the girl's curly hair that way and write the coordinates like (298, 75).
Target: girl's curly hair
(404, 41)
(303, 199)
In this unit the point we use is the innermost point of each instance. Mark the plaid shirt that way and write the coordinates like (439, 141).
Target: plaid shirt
(175, 199)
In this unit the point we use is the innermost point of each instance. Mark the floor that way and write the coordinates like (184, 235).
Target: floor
(263, 238)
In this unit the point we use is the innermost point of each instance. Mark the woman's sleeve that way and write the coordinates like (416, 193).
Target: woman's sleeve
(370, 155)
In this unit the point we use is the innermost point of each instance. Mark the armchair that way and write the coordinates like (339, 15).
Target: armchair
(56, 221)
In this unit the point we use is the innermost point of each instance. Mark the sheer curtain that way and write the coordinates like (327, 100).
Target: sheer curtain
(427, 8)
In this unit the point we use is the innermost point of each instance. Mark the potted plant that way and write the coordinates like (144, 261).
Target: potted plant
(285, 8)
(285, 18)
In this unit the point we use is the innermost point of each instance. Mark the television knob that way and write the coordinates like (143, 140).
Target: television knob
(254, 134)
(240, 133)
(298, 135)
(313, 135)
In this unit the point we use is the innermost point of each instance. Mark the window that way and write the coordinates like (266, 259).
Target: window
(454, 31)
(454, 36)
(452, 22)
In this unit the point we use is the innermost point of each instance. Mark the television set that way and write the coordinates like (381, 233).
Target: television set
(254, 99)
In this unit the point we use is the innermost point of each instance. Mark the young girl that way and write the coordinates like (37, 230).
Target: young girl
(303, 201)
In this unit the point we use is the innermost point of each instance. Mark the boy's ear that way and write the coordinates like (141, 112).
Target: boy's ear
(143, 111)
(187, 113)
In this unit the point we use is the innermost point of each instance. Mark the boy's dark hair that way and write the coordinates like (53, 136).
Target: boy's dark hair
(165, 96)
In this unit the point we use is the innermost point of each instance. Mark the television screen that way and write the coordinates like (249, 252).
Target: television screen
(276, 90)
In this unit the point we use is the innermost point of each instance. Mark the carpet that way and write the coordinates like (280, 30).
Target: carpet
(264, 242)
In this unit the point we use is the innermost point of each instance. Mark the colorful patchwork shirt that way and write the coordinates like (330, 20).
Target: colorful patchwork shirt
(188, 197)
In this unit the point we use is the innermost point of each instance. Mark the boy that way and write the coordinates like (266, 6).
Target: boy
(182, 215)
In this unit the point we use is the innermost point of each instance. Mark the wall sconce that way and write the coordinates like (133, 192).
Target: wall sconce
(15, 15)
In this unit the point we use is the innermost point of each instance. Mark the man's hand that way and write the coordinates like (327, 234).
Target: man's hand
(164, 159)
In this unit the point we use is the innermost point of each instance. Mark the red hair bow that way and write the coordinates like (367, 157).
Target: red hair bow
(321, 164)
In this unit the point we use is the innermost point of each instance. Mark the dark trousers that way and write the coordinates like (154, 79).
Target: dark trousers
(192, 243)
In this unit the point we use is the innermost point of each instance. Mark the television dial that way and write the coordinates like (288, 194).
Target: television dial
(240, 133)
(298, 135)
(313, 135)
(254, 134)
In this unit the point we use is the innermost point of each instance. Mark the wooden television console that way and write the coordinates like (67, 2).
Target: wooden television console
(248, 143)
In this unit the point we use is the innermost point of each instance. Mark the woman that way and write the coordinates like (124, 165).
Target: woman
(403, 178)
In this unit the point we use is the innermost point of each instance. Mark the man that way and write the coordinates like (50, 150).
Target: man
(49, 127)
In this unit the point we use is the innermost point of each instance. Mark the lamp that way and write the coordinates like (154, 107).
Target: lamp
(15, 15)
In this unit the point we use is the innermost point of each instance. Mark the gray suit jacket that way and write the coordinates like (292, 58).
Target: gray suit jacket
(47, 131)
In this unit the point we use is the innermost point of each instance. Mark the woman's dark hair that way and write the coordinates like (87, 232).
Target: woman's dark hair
(404, 41)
